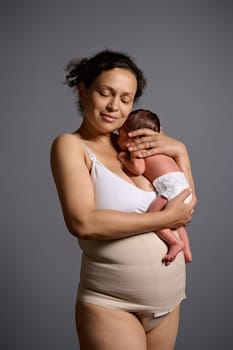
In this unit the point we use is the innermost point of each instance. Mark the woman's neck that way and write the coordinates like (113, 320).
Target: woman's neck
(90, 134)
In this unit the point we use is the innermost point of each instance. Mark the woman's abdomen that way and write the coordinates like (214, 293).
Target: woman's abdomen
(129, 274)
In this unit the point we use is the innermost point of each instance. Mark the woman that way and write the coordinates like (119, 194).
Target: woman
(127, 298)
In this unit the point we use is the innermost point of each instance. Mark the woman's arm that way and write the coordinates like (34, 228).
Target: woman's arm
(151, 143)
(75, 190)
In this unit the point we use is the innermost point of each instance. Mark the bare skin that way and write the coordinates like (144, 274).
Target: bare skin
(176, 244)
(101, 328)
(147, 143)
(153, 167)
(107, 104)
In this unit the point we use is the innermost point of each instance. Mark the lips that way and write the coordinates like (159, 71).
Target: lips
(108, 118)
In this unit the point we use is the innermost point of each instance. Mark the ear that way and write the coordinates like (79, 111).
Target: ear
(82, 92)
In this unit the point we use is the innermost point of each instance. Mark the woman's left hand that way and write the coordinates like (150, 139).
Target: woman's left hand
(147, 142)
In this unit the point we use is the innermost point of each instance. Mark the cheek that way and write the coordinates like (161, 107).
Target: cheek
(98, 103)
(125, 113)
(127, 109)
(93, 101)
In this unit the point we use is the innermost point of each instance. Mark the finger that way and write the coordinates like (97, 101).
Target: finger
(144, 143)
(141, 132)
(135, 146)
(188, 221)
(143, 153)
(139, 140)
(186, 193)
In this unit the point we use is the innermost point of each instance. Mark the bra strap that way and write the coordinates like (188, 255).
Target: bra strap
(90, 152)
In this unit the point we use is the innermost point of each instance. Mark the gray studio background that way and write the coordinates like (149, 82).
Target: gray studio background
(185, 50)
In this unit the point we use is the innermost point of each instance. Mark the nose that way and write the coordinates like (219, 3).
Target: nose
(112, 105)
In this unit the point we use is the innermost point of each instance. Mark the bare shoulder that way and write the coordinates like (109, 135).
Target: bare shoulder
(66, 149)
(66, 143)
(66, 140)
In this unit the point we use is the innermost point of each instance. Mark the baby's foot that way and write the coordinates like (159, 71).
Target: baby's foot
(167, 260)
(188, 256)
(172, 252)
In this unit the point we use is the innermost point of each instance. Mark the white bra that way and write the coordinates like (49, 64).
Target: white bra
(113, 192)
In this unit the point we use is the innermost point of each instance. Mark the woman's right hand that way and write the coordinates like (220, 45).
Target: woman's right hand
(180, 213)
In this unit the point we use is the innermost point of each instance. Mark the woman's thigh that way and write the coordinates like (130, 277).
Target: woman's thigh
(101, 328)
(163, 336)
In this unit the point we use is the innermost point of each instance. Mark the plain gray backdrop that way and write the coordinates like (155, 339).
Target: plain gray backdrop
(185, 50)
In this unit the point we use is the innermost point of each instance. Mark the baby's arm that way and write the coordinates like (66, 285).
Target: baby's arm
(134, 165)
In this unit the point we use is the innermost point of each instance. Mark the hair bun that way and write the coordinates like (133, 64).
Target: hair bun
(76, 69)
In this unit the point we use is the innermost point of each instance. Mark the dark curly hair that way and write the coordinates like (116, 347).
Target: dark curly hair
(142, 118)
(86, 70)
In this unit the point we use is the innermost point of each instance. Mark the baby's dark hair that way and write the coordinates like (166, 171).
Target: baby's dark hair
(87, 70)
(142, 118)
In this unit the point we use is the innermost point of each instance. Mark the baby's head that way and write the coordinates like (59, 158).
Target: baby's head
(142, 118)
(138, 119)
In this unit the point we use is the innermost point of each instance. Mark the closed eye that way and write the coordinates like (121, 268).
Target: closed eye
(104, 93)
(126, 100)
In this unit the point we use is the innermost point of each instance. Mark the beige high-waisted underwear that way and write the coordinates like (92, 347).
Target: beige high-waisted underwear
(128, 274)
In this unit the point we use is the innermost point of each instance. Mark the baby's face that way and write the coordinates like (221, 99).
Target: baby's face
(123, 138)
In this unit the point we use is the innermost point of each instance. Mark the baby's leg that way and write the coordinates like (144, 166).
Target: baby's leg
(187, 250)
(175, 244)
(158, 204)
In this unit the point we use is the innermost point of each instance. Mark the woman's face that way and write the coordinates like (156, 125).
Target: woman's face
(109, 100)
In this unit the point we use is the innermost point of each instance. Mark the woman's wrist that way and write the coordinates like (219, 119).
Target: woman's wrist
(180, 149)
